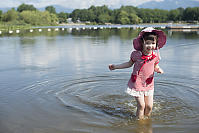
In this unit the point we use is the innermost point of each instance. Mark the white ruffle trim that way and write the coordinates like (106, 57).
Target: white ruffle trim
(135, 93)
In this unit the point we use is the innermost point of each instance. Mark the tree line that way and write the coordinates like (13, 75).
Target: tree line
(28, 14)
(134, 15)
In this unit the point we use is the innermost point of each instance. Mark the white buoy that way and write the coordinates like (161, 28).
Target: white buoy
(101, 27)
(69, 30)
(162, 27)
(56, 29)
(0, 32)
(134, 27)
(17, 31)
(62, 28)
(83, 28)
(95, 28)
(10, 31)
(31, 30)
(40, 30)
(77, 28)
(49, 29)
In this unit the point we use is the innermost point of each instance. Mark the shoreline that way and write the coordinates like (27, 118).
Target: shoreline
(9, 26)
(170, 26)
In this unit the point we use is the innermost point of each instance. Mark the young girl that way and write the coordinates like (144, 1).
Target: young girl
(145, 60)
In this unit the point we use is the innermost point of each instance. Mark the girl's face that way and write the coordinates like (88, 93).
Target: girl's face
(149, 46)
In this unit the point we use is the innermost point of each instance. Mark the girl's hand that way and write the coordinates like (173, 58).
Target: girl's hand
(111, 67)
(160, 71)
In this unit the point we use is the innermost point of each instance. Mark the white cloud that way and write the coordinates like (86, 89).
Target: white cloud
(73, 3)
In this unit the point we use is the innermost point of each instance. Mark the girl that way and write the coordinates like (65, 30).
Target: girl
(145, 60)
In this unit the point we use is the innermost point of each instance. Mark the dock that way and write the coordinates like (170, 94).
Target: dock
(183, 27)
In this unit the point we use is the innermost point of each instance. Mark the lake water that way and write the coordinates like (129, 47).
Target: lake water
(59, 82)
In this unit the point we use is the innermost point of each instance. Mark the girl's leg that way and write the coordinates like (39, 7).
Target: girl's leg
(140, 107)
(148, 105)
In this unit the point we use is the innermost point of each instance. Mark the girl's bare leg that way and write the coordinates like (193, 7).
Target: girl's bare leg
(148, 105)
(140, 107)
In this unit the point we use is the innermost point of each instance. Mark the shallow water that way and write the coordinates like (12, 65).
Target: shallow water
(58, 81)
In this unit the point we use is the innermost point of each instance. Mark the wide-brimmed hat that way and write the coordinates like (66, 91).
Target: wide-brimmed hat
(137, 42)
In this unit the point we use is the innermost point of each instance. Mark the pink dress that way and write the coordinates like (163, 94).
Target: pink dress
(143, 71)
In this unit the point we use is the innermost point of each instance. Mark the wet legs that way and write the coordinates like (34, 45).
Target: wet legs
(144, 106)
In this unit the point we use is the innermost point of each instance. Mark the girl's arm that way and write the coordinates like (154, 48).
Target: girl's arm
(121, 66)
(158, 69)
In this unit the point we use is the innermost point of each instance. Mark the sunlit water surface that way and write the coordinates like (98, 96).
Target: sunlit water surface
(58, 82)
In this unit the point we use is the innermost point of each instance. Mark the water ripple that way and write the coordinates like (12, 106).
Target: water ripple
(104, 95)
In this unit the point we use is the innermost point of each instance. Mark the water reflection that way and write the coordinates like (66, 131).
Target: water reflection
(73, 90)
(43, 55)
(186, 34)
(27, 40)
(144, 126)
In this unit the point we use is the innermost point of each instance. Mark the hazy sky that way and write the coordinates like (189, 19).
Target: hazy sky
(73, 3)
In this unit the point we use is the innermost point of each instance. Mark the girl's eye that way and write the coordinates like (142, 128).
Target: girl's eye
(150, 43)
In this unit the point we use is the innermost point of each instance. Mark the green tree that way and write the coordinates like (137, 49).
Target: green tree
(129, 9)
(114, 16)
(123, 18)
(53, 19)
(31, 17)
(24, 7)
(146, 15)
(10, 15)
(101, 10)
(83, 15)
(134, 15)
(50, 9)
(1, 14)
(104, 18)
(95, 13)
(134, 19)
(181, 10)
(174, 15)
(91, 16)
(191, 14)
(75, 15)
(159, 15)
(62, 17)
(38, 18)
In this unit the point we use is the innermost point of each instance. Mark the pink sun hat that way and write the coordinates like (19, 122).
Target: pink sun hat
(137, 42)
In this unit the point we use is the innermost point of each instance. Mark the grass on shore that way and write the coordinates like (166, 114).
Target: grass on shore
(7, 26)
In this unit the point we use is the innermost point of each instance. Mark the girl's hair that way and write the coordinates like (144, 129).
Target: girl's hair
(150, 36)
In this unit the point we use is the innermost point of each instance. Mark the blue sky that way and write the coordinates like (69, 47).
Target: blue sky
(73, 3)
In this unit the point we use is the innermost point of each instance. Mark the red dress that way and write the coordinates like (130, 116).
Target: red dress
(143, 71)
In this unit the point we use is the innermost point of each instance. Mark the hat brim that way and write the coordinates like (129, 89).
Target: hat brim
(137, 42)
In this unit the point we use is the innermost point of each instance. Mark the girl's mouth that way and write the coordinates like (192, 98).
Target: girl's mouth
(149, 49)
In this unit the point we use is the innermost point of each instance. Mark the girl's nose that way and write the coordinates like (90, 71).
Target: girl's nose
(150, 46)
